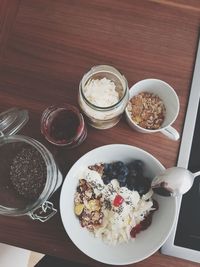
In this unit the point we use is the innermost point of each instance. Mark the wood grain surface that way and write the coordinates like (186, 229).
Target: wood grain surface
(45, 48)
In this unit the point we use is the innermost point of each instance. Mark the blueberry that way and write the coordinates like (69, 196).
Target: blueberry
(114, 174)
(143, 185)
(108, 168)
(131, 183)
(124, 170)
(135, 176)
(118, 165)
(146, 181)
(122, 184)
(133, 173)
(139, 165)
(130, 186)
(132, 169)
(121, 178)
(106, 179)
(142, 189)
(131, 165)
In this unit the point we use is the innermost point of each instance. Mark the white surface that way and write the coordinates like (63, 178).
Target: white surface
(171, 101)
(169, 248)
(148, 241)
(11, 256)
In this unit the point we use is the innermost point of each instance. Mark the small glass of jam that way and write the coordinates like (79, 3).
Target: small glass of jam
(63, 125)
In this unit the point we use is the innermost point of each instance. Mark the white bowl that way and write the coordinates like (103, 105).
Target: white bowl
(147, 242)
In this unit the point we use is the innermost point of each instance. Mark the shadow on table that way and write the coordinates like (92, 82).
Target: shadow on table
(49, 261)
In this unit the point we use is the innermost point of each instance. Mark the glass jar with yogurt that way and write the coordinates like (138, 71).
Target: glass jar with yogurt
(103, 96)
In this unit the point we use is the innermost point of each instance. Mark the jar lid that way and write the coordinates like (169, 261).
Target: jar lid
(12, 120)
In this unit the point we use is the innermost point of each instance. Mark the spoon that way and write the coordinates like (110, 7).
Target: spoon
(174, 181)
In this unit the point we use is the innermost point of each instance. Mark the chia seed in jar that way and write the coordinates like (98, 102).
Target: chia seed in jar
(28, 173)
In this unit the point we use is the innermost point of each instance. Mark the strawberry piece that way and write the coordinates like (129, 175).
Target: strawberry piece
(118, 201)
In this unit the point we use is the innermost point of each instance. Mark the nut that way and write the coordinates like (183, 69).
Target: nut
(97, 167)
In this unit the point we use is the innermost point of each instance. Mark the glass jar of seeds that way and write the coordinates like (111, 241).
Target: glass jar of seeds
(28, 173)
(103, 96)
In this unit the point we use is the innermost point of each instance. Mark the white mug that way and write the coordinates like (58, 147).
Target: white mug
(170, 99)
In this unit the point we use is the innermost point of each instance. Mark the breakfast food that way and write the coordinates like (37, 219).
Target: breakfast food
(147, 110)
(88, 206)
(63, 125)
(114, 201)
(103, 96)
(28, 173)
(101, 92)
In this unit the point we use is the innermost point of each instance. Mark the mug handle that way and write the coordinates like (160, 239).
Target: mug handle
(171, 133)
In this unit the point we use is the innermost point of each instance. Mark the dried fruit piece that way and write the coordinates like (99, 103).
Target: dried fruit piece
(78, 209)
(118, 201)
(88, 193)
(94, 205)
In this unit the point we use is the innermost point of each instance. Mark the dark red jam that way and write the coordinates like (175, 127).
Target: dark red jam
(63, 125)
(143, 225)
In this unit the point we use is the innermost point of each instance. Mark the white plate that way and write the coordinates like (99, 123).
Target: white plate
(147, 242)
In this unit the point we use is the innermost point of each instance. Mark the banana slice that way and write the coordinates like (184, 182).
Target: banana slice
(94, 205)
(78, 209)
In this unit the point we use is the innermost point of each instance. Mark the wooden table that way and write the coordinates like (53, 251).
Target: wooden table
(45, 48)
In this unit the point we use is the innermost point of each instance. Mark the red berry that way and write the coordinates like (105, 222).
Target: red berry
(118, 201)
(155, 205)
(135, 230)
(146, 222)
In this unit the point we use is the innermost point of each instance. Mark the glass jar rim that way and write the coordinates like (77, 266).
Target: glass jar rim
(50, 183)
(65, 106)
(89, 76)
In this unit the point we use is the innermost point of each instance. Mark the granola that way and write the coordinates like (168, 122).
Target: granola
(98, 168)
(88, 206)
(147, 110)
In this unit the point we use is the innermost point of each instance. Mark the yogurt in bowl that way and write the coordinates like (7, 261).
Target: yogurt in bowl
(114, 201)
(146, 242)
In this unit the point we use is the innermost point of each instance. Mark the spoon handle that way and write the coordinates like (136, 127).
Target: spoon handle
(196, 174)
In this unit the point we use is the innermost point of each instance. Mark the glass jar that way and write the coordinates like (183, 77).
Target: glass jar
(63, 125)
(29, 174)
(103, 96)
